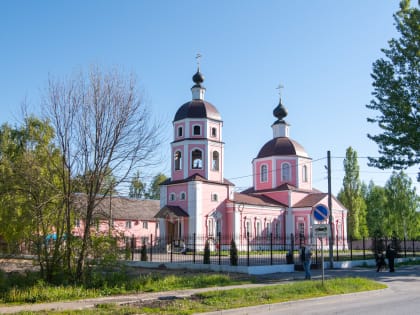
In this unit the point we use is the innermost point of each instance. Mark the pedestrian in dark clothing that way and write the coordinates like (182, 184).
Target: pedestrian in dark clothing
(305, 257)
(380, 261)
(390, 255)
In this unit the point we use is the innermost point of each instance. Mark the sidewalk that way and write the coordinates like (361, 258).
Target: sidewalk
(264, 280)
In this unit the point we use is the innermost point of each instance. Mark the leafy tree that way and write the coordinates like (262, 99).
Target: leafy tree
(137, 187)
(397, 94)
(31, 210)
(154, 189)
(351, 196)
(102, 128)
(376, 204)
(402, 203)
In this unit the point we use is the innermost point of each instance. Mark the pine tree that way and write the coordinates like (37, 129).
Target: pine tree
(206, 257)
(233, 253)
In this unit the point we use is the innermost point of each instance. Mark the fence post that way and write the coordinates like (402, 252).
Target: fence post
(133, 240)
(271, 248)
(336, 245)
(247, 250)
(414, 250)
(405, 247)
(219, 247)
(151, 247)
(292, 246)
(172, 248)
(364, 247)
(194, 244)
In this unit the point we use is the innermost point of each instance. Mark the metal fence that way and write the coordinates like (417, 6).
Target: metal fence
(250, 251)
(255, 251)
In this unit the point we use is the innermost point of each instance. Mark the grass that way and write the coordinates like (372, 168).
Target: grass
(220, 300)
(18, 289)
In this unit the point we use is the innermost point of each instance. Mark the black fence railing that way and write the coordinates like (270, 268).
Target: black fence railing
(264, 250)
(251, 251)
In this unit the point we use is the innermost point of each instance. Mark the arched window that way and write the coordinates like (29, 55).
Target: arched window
(215, 161)
(285, 172)
(182, 196)
(248, 230)
(196, 159)
(304, 173)
(264, 173)
(196, 130)
(178, 160)
(278, 231)
(213, 132)
(218, 226)
(210, 225)
(258, 228)
(179, 131)
(267, 228)
(172, 197)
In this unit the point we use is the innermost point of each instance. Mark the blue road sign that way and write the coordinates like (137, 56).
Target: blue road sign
(320, 212)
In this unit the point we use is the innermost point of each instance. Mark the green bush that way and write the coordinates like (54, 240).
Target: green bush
(143, 253)
(233, 253)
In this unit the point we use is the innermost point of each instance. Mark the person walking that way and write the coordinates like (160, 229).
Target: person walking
(390, 255)
(305, 257)
(380, 261)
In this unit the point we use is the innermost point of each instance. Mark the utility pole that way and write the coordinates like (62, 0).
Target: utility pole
(330, 219)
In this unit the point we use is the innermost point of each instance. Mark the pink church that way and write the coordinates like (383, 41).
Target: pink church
(198, 200)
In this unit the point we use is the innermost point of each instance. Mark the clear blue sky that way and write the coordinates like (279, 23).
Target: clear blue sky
(321, 51)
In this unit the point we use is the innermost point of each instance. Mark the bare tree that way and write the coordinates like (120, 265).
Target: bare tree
(103, 127)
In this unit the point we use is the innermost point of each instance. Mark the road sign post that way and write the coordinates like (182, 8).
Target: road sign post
(321, 213)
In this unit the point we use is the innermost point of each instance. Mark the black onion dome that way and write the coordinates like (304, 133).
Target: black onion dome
(198, 78)
(281, 146)
(280, 111)
(197, 109)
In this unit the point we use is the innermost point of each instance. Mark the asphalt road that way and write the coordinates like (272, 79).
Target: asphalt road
(402, 297)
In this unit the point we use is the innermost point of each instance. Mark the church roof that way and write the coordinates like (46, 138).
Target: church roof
(310, 200)
(195, 177)
(197, 109)
(123, 208)
(281, 146)
(175, 211)
(259, 200)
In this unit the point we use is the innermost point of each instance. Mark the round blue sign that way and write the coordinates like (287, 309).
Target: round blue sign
(320, 212)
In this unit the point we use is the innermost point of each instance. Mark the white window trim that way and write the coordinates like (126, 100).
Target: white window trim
(262, 173)
(182, 132)
(289, 177)
(202, 159)
(199, 126)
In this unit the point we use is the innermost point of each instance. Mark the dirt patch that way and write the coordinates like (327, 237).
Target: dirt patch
(22, 265)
